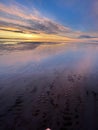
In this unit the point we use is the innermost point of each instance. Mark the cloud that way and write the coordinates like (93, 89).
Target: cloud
(20, 17)
(18, 21)
(86, 36)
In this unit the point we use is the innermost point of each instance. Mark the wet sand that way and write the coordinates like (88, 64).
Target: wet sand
(49, 86)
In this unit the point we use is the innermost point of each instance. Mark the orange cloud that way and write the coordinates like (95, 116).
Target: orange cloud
(20, 22)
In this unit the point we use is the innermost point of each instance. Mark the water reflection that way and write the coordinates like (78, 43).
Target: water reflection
(49, 85)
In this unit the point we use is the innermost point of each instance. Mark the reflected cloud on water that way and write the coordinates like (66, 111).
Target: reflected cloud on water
(49, 85)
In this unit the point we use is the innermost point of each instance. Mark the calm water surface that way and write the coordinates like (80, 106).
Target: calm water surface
(49, 85)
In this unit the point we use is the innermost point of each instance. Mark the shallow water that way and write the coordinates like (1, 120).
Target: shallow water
(49, 85)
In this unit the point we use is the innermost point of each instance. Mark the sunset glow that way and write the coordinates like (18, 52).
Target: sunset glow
(48, 64)
(18, 21)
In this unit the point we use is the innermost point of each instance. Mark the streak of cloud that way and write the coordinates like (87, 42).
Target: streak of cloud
(23, 19)
(86, 36)
(18, 21)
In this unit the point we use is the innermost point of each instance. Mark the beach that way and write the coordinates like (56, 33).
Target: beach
(49, 85)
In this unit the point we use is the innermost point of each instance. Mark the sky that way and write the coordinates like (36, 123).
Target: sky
(49, 20)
